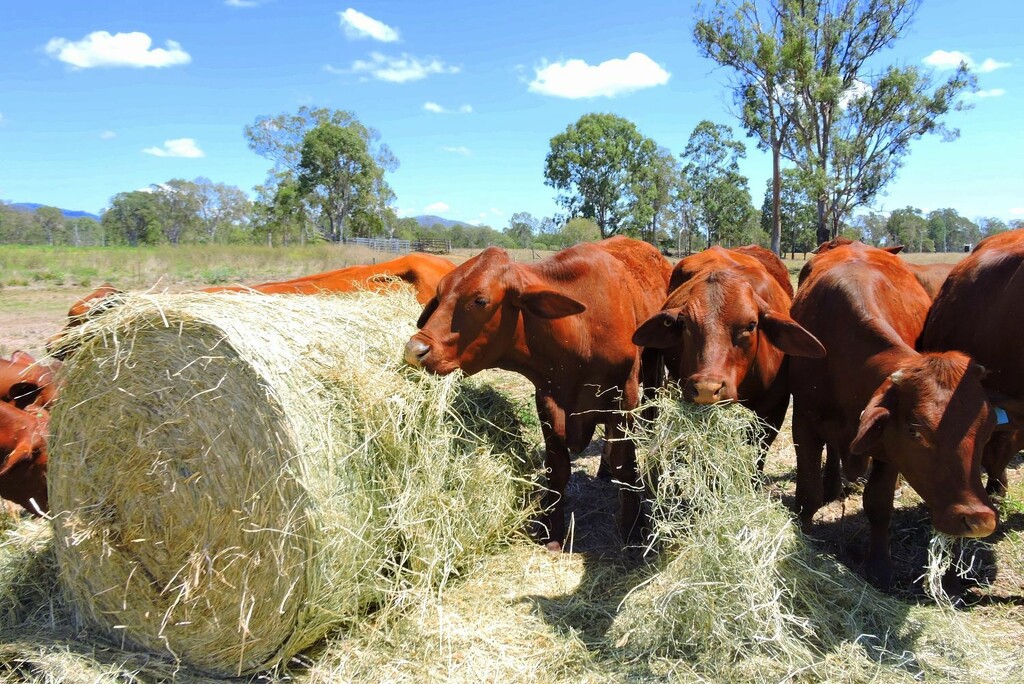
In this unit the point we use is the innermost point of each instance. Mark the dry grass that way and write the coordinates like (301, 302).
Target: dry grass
(232, 476)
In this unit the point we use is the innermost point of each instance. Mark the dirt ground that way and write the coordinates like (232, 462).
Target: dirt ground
(29, 315)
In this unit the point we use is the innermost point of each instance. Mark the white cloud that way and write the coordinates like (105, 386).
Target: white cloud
(241, 3)
(435, 108)
(994, 92)
(101, 49)
(2, 119)
(436, 208)
(108, 135)
(357, 25)
(496, 212)
(576, 79)
(459, 149)
(1017, 211)
(400, 69)
(943, 59)
(180, 147)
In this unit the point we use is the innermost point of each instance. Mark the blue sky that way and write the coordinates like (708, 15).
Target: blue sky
(98, 98)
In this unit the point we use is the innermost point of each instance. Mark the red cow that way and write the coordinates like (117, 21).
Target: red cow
(925, 416)
(23, 451)
(96, 301)
(931, 276)
(978, 311)
(772, 263)
(565, 323)
(26, 383)
(725, 329)
(422, 271)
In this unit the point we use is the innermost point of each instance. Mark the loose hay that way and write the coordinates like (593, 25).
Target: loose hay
(740, 596)
(234, 475)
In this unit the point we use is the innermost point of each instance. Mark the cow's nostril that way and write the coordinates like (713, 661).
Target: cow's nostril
(415, 351)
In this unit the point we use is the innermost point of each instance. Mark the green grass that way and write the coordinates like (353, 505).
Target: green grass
(170, 266)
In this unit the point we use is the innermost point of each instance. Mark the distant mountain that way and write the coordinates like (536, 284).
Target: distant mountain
(68, 213)
(428, 220)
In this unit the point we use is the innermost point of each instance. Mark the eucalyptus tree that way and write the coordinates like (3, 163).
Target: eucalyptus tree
(950, 231)
(794, 207)
(338, 172)
(597, 165)
(717, 190)
(748, 38)
(133, 218)
(803, 68)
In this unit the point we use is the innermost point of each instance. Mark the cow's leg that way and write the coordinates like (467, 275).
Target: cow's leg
(808, 444)
(997, 455)
(878, 506)
(773, 414)
(622, 459)
(557, 465)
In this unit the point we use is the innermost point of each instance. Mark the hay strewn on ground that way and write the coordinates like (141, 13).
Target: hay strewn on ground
(234, 475)
(736, 595)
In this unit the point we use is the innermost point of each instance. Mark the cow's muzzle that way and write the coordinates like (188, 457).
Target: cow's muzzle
(705, 391)
(415, 351)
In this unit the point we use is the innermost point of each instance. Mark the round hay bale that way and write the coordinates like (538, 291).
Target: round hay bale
(233, 475)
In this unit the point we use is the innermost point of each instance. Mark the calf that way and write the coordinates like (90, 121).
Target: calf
(925, 416)
(724, 331)
(564, 323)
(979, 311)
(23, 457)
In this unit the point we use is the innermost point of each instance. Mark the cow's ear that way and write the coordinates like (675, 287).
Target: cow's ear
(1009, 411)
(22, 357)
(874, 418)
(661, 331)
(428, 311)
(789, 336)
(895, 249)
(545, 303)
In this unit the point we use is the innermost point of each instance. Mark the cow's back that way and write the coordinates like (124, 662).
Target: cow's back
(772, 264)
(980, 310)
(741, 261)
(646, 266)
(858, 301)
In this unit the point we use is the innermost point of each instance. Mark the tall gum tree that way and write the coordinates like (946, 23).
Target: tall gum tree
(596, 165)
(803, 67)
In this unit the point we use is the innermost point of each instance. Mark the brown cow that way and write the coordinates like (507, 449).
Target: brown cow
(724, 331)
(931, 276)
(97, 301)
(27, 383)
(925, 416)
(23, 452)
(979, 310)
(565, 323)
(422, 271)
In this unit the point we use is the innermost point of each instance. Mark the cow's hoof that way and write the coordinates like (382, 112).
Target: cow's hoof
(554, 547)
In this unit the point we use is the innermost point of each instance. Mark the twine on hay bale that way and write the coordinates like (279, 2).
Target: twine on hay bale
(234, 475)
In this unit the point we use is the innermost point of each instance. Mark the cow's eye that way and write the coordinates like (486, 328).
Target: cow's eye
(751, 326)
(914, 433)
(480, 302)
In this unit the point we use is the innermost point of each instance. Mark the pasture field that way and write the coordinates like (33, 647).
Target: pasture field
(570, 596)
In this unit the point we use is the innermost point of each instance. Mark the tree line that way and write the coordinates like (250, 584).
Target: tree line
(838, 133)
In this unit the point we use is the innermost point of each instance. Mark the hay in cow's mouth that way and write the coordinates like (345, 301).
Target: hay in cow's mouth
(234, 475)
